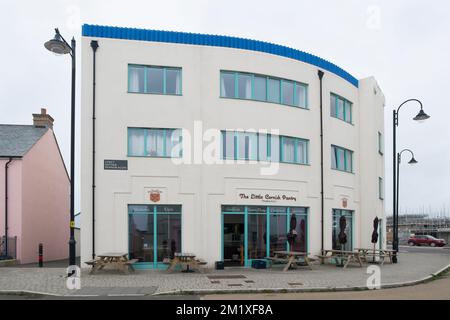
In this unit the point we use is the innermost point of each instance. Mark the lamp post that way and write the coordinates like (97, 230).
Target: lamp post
(421, 116)
(59, 46)
(413, 161)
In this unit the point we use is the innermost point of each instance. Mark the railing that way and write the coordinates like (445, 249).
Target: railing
(11, 253)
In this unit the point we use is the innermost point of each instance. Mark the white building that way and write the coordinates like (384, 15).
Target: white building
(157, 90)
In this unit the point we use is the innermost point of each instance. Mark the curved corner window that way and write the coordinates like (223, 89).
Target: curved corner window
(239, 85)
(256, 146)
(154, 80)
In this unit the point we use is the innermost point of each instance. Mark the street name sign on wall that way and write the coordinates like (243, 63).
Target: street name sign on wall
(116, 164)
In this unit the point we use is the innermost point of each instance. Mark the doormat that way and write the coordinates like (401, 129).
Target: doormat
(225, 277)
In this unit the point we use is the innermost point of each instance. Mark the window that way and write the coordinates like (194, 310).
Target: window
(247, 145)
(340, 108)
(173, 81)
(154, 232)
(255, 232)
(300, 96)
(259, 91)
(154, 142)
(341, 159)
(337, 216)
(263, 147)
(380, 188)
(227, 86)
(380, 143)
(136, 79)
(244, 86)
(156, 80)
(287, 88)
(273, 90)
(294, 150)
(262, 88)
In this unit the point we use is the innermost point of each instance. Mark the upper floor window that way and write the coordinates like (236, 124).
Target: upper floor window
(380, 143)
(157, 80)
(154, 142)
(341, 108)
(341, 159)
(262, 88)
(380, 188)
(239, 145)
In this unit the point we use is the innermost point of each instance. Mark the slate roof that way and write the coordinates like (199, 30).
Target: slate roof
(16, 140)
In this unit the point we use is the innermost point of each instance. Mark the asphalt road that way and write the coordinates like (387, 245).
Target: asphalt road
(443, 250)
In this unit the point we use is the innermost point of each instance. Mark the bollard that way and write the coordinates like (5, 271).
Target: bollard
(41, 255)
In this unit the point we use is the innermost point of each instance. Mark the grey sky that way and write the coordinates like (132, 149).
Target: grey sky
(403, 43)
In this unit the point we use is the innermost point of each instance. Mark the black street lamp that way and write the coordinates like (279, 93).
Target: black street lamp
(413, 161)
(421, 116)
(59, 46)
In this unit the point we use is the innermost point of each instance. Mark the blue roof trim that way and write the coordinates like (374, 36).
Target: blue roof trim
(215, 41)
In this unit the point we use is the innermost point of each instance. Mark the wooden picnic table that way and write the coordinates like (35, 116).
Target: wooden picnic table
(380, 253)
(118, 260)
(291, 258)
(184, 259)
(348, 256)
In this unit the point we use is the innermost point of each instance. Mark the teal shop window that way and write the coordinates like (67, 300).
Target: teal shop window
(249, 86)
(341, 108)
(156, 80)
(143, 142)
(341, 159)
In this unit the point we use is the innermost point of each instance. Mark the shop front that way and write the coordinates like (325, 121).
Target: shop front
(255, 232)
(154, 233)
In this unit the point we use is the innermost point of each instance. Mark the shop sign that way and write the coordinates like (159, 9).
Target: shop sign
(266, 196)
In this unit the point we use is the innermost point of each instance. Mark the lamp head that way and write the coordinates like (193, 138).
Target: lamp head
(421, 116)
(57, 45)
(412, 161)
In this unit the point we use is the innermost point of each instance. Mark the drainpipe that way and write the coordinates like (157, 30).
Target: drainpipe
(6, 205)
(320, 74)
(94, 46)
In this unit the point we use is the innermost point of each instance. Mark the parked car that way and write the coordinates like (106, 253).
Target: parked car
(425, 240)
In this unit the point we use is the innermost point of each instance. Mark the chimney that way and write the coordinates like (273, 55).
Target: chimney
(43, 120)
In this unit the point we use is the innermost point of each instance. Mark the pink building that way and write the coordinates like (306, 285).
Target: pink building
(34, 191)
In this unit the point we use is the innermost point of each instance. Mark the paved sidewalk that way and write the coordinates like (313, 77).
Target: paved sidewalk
(411, 267)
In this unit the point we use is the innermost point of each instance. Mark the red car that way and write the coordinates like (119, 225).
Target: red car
(423, 240)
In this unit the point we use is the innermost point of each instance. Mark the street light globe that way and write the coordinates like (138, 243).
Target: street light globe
(57, 45)
(421, 116)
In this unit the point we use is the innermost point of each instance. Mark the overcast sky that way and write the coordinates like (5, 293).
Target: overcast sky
(404, 44)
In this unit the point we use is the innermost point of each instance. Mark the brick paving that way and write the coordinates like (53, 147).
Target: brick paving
(411, 267)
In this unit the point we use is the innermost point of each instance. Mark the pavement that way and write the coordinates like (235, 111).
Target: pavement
(434, 290)
(413, 267)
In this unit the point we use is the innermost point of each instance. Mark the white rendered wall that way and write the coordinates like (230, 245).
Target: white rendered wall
(202, 189)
